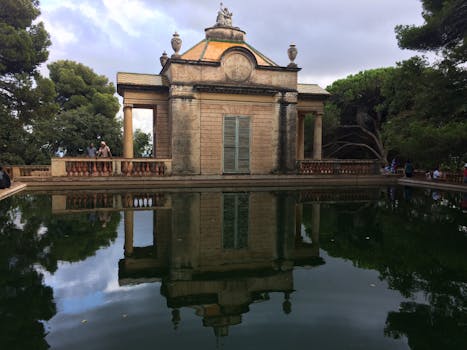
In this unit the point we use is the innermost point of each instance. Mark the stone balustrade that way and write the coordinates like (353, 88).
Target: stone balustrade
(84, 201)
(83, 167)
(27, 170)
(338, 167)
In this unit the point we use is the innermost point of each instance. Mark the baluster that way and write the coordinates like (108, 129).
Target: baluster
(130, 168)
(94, 167)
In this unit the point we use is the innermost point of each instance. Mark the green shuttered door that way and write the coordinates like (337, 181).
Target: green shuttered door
(235, 225)
(236, 144)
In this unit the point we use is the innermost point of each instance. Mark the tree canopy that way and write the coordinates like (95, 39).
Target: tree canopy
(24, 97)
(445, 30)
(87, 110)
(359, 105)
(415, 110)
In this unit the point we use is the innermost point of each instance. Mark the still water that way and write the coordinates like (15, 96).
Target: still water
(349, 268)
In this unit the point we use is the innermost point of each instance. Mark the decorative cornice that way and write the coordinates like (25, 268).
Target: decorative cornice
(239, 89)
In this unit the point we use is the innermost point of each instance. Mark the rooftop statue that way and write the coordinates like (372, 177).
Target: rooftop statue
(224, 17)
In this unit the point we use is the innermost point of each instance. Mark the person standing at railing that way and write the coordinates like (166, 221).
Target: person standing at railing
(91, 151)
(465, 173)
(408, 168)
(104, 151)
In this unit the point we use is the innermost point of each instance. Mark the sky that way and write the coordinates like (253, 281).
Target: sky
(334, 38)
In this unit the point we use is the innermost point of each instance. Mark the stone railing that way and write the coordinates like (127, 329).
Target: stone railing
(16, 171)
(83, 167)
(82, 201)
(451, 177)
(343, 195)
(338, 167)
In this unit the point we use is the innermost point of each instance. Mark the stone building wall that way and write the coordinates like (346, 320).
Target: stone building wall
(263, 131)
(262, 234)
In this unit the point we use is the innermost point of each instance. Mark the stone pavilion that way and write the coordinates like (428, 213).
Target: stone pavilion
(222, 107)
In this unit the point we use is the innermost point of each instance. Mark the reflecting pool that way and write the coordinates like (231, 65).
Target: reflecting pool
(343, 268)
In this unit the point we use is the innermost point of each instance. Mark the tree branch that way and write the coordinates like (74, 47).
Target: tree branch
(353, 144)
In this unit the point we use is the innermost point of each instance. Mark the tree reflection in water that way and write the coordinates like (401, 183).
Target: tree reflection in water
(219, 252)
(31, 240)
(417, 246)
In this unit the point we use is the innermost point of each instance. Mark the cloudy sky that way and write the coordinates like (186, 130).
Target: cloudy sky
(334, 38)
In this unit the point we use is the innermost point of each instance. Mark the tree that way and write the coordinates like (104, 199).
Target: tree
(87, 110)
(445, 30)
(23, 96)
(358, 103)
(141, 143)
(427, 109)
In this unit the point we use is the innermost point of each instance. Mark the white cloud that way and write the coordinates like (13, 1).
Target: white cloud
(133, 15)
(61, 36)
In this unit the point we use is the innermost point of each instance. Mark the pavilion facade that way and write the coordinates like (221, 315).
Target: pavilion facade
(222, 107)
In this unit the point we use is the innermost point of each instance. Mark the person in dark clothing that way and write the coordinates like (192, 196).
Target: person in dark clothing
(408, 168)
(5, 181)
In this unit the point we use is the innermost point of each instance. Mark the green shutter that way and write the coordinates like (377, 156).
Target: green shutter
(230, 130)
(228, 223)
(243, 154)
(235, 223)
(236, 144)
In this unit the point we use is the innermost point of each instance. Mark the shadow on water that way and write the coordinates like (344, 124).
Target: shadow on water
(219, 252)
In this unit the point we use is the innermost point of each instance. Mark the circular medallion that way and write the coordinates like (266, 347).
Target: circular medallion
(237, 67)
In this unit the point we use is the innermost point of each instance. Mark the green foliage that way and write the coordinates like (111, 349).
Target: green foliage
(77, 85)
(76, 128)
(141, 143)
(428, 113)
(358, 104)
(23, 43)
(24, 98)
(87, 111)
(445, 29)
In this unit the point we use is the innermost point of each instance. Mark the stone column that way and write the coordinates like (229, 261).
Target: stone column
(154, 132)
(128, 218)
(318, 137)
(127, 131)
(288, 132)
(315, 226)
(301, 137)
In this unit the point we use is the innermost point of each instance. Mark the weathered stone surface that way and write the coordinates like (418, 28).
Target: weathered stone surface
(225, 33)
(224, 76)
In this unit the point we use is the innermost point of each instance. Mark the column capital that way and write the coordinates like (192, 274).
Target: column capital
(127, 105)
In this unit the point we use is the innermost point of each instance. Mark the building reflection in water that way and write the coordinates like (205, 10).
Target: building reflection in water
(215, 252)
(220, 252)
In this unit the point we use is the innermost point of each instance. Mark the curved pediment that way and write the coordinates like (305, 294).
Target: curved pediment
(213, 50)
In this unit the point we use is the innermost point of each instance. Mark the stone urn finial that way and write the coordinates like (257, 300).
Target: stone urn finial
(176, 45)
(292, 52)
(164, 58)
